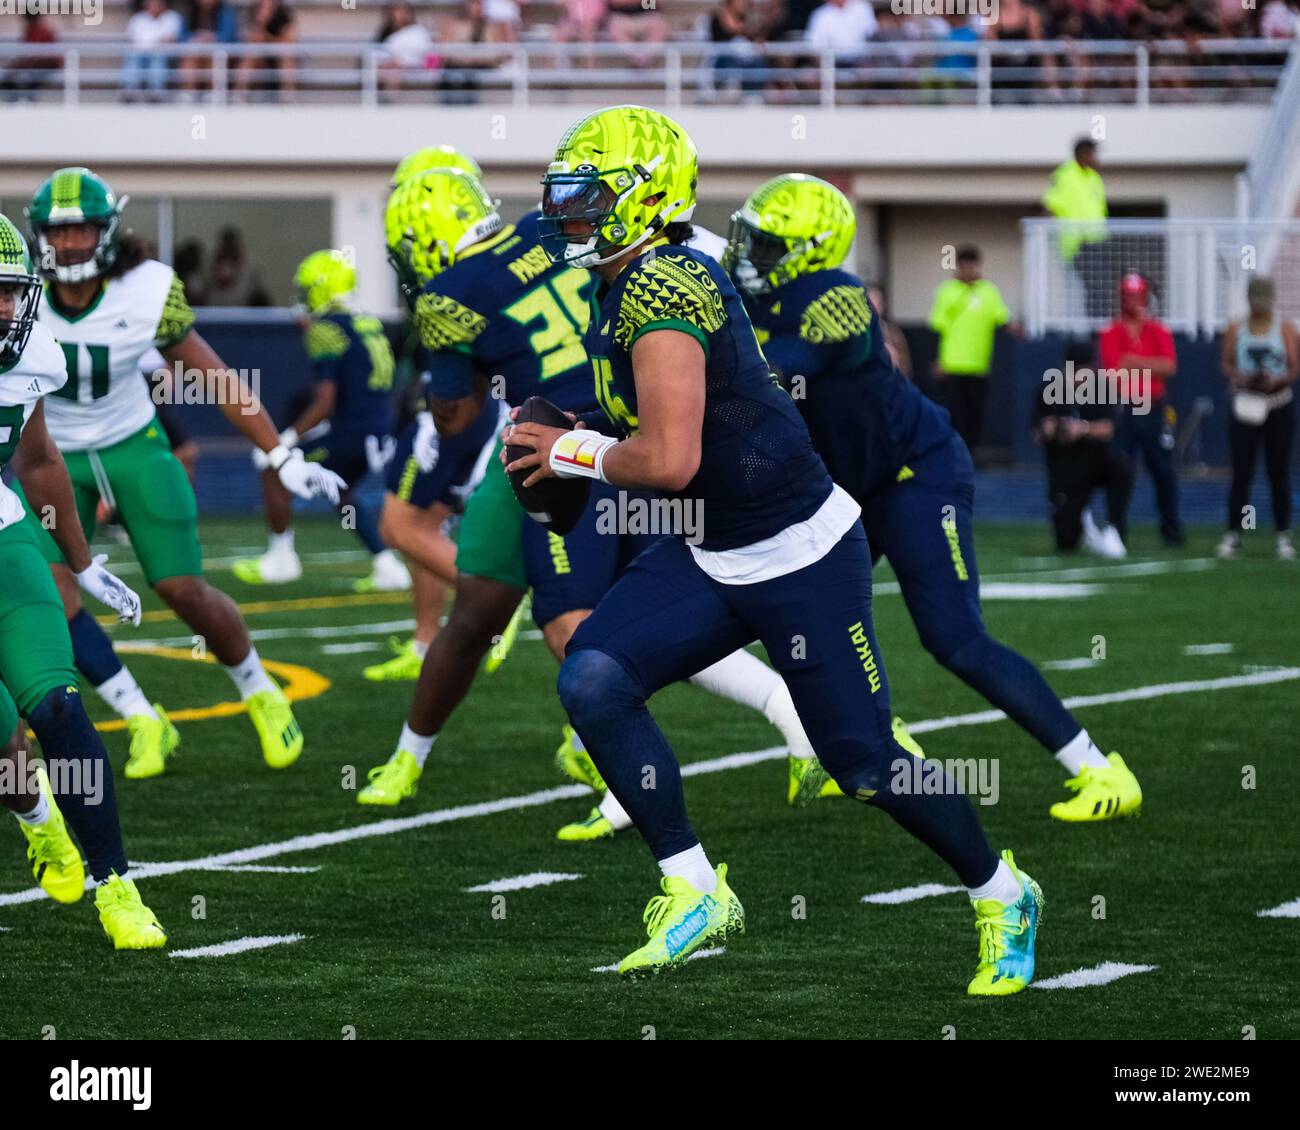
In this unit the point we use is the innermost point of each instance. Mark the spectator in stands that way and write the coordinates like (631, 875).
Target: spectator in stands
(271, 22)
(966, 314)
(1137, 355)
(1077, 193)
(459, 80)
(733, 23)
(154, 26)
(210, 22)
(1078, 438)
(1018, 71)
(842, 26)
(406, 45)
(791, 18)
(29, 73)
(1261, 359)
(232, 281)
(582, 21)
(187, 262)
(503, 20)
(895, 343)
(1279, 19)
(953, 68)
(632, 22)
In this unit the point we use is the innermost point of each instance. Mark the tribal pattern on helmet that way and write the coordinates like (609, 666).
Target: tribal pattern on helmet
(434, 157)
(324, 279)
(76, 196)
(792, 225)
(625, 173)
(430, 219)
(23, 286)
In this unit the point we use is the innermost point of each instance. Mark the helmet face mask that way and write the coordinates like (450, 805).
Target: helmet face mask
(579, 198)
(76, 196)
(20, 294)
(754, 258)
(324, 279)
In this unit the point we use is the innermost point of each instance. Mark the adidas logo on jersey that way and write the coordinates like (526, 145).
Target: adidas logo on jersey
(120, 324)
(35, 386)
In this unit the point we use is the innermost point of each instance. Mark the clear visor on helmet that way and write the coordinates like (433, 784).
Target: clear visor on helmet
(19, 296)
(568, 197)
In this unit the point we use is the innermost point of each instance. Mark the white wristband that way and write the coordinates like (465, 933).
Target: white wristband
(278, 456)
(289, 437)
(580, 454)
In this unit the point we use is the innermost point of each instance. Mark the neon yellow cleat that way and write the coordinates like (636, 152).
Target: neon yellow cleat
(393, 781)
(403, 667)
(904, 738)
(681, 920)
(595, 827)
(272, 568)
(501, 648)
(277, 727)
(1101, 794)
(153, 740)
(808, 780)
(55, 860)
(1007, 932)
(576, 763)
(125, 918)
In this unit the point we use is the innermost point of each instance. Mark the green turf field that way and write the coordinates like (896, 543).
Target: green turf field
(394, 946)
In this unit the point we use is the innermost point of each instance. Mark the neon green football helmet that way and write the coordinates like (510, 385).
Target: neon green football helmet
(620, 176)
(76, 196)
(22, 287)
(792, 225)
(430, 219)
(434, 157)
(324, 279)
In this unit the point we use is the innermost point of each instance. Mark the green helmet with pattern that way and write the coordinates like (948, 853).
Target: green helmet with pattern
(324, 279)
(430, 219)
(21, 287)
(792, 225)
(76, 196)
(619, 178)
(434, 157)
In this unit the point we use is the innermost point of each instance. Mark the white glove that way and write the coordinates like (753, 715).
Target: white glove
(262, 459)
(425, 446)
(306, 480)
(107, 589)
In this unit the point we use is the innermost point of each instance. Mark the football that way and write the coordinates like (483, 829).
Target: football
(556, 503)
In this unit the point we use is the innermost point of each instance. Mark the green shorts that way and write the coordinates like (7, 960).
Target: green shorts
(145, 483)
(35, 650)
(490, 542)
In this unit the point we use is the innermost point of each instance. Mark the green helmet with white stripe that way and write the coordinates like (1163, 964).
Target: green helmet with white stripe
(20, 293)
(76, 196)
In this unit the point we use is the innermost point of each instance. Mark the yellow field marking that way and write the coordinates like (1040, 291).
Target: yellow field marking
(299, 604)
(297, 683)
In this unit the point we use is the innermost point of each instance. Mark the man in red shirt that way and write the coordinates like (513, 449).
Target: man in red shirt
(1137, 353)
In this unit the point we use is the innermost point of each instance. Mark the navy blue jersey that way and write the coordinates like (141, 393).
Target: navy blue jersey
(352, 350)
(758, 471)
(505, 312)
(867, 420)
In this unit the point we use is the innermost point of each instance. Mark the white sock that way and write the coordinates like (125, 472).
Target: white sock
(779, 710)
(249, 675)
(123, 695)
(1004, 887)
(416, 744)
(614, 812)
(741, 677)
(385, 558)
(1081, 750)
(38, 815)
(420, 649)
(281, 543)
(693, 866)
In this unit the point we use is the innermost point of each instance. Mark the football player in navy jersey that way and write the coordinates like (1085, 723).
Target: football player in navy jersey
(782, 557)
(896, 453)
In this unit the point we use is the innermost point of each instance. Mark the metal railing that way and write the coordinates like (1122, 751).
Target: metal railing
(1271, 178)
(991, 74)
(1197, 270)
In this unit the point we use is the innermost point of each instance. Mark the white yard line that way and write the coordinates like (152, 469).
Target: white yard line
(348, 648)
(713, 952)
(1102, 974)
(1080, 664)
(393, 825)
(384, 627)
(126, 567)
(1286, 910)
(1209, 649)
(1109, 572)
(240, 945)
(1012, 590)
(910, 894)
(523, 882)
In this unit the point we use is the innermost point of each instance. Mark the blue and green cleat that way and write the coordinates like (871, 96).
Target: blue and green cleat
(1007, 932)
(681, 920)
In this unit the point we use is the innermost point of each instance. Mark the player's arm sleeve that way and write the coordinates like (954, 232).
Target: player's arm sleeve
(177, 317)
(448, 329)
(1001, 315)
(670, 293)
(1052, 199)
(326, 342)
(939, 312)
(790, 356)
(1108, 350)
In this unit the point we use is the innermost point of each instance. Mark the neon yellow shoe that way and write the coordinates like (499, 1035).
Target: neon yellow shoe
(807, 780)
(153, 741)
(576, 763)
(595, 827)
(904, 738)
(277, 727)
(501, 648)
(393, 781)
(681, 920)
(272, 568)
(1101, 794)
(55, 860)
(403, 667)
(1008, 932)
(125, 918)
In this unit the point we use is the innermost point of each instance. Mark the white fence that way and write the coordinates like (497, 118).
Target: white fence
(1197, 270)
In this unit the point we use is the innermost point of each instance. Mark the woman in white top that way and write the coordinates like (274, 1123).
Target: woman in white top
(1261, 359)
